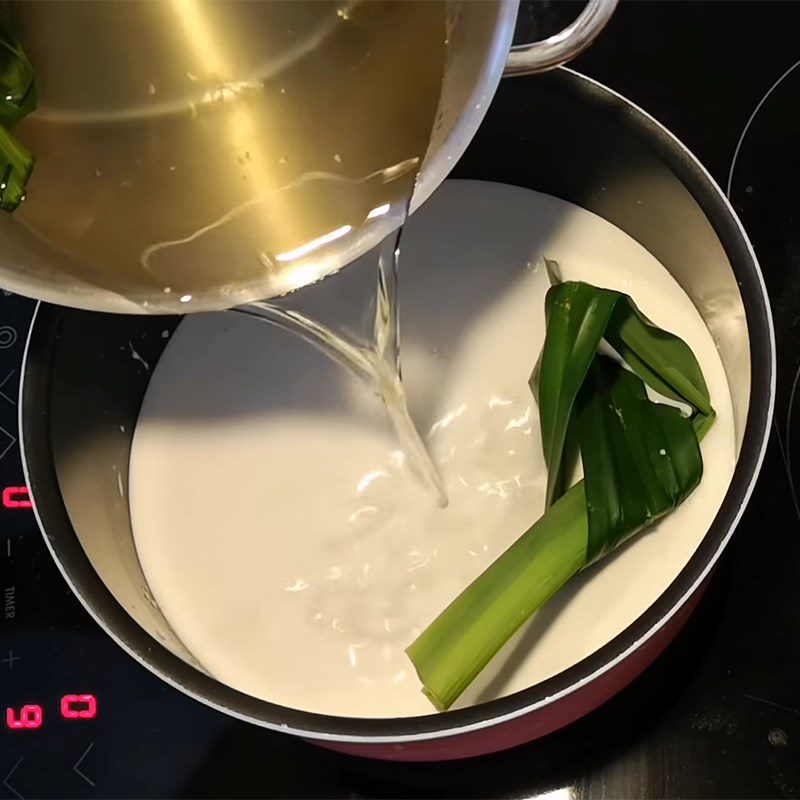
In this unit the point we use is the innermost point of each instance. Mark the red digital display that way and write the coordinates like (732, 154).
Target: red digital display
(16, 497)
(78, 706)
(31, 716)
(28, 717)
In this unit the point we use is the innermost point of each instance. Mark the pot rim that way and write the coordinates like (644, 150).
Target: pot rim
(180, 675)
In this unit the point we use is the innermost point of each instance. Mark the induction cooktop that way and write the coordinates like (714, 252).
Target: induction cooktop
(718, 715)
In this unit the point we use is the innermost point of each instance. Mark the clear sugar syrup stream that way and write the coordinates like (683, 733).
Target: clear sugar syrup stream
(377, 361)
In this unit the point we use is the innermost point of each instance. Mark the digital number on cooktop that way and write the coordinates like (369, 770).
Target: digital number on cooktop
(33, 715)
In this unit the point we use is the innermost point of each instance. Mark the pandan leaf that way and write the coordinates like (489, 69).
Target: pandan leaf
(16, 165)
(17, 100)
(577, 315)
(662, 360)
(17, 90)
(640, 459)
(461, 641)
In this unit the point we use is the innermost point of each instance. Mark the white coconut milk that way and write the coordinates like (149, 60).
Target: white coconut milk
(279, 526)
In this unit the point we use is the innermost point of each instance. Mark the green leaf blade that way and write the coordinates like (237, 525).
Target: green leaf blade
(17, 100)
(16, 165)
(17, 90)
(662, 360)
(640, 459)
(577, 315)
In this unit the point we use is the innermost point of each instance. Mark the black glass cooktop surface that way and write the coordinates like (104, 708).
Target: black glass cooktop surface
(718, 715)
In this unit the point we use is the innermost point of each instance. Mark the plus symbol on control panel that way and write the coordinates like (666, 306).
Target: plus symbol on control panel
(10, 659)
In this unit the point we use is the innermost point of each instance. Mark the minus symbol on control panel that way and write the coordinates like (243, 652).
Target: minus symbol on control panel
(8, 547)
(80, 761)
(8, 775)
(3, 383)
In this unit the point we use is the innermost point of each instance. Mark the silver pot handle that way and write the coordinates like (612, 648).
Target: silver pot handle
(524, 59)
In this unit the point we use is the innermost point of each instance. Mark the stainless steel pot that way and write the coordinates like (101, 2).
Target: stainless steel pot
(560, 133)
(95, 119)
